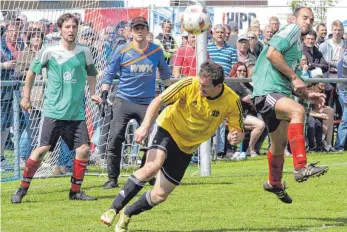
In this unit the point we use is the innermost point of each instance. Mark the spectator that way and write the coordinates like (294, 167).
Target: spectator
(184, 60)
(314, 56)
(166, 41)
(184, 39)
(290, 18)
(332, 50)
(342, 91)
(233, 36)
(254, 23)
(149, 37)
(274, 24)
(224, 55)
(251, 122)
(123, 35)
(255, 46)
(109, 35)
(257, 31)
(243, 46)
(227, 32)
(268, 33)
(321, 30)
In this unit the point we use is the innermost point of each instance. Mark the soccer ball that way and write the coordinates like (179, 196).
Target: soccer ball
(195, 19)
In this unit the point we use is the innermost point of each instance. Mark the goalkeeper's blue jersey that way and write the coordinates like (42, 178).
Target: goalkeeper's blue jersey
(137, 72)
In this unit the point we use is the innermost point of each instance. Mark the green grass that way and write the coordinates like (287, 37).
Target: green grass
(231, 200)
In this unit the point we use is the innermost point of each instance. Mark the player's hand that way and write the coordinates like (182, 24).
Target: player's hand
(323, 116)
(141, 134)
(9, 64)
(25, 104)
(235, 137)
(96, 99)
(299, 86)
(316, 98)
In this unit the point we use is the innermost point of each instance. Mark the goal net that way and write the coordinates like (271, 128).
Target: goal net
(26, 26)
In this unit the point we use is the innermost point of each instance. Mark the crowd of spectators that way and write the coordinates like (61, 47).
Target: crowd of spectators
(323, 56)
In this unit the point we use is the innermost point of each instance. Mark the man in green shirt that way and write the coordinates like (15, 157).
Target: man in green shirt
(275, 76)
(68, 64)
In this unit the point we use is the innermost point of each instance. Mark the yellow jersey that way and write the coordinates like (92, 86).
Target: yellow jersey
(192, 119)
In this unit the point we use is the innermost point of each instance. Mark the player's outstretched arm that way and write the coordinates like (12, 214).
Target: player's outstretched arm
(151, 113)
(29, 81)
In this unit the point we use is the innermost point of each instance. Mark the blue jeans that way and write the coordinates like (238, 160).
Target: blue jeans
(220, 138)
(29, 136)
(342, 131)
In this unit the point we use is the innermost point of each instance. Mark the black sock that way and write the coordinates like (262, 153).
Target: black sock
(132, 187)
(141, 205)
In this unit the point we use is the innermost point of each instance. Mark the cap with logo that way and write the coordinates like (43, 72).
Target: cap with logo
(139, 21)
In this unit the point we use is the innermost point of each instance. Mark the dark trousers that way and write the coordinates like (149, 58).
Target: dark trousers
(123, 111)
(314, 133)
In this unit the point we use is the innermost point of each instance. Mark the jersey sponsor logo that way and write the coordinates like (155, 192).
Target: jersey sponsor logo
(129, 53)
(215, 113)
(68, 77)
(141, 68)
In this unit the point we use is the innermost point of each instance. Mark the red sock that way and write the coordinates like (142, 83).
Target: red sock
(297, 144)
(275, 169)
(79, 169)
(31, 167)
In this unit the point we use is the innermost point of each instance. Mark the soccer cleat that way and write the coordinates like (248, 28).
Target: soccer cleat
(309, 171)
(80, 195)
(123, 222)
(279, 192)
(110, 184)
(18, 195)
(108, 217)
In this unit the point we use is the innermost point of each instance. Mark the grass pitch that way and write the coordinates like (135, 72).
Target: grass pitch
(232, 199)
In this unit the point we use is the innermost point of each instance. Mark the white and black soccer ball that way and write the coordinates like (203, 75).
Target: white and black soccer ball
(195, 19)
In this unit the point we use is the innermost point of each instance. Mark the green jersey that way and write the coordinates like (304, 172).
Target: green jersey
(266, 78)
(67, 72)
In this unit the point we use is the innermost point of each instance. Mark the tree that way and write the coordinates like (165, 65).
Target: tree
(319, 7)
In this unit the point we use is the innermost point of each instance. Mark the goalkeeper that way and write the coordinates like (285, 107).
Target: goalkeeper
(196, 108)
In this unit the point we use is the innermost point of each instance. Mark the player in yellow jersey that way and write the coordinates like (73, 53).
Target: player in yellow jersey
(197, 106)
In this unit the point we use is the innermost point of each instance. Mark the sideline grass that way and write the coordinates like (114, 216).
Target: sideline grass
(231, 200)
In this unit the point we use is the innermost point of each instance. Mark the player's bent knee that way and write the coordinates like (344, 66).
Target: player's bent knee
(151, 169)
(298, 113)
(83, 151)
(39, 152)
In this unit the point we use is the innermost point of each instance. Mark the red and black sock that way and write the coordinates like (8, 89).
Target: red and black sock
(297, 144)
(78, 172)
(31, 167)
(275, 163)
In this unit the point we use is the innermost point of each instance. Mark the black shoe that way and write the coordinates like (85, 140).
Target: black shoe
(279, 192)
(152, 181)
(310, 170)
(18, 195)
(110, 184)
(80, 195)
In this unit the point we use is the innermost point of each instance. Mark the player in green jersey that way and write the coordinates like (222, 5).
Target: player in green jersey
(275, 78)
(68, 65)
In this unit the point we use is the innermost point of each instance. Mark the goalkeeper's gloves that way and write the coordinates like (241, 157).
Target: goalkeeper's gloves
(104, 104)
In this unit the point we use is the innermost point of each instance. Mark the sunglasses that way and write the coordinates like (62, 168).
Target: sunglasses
(251, 37)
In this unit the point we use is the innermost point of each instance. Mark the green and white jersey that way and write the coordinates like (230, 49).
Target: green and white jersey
(67, 72)
(266, 78)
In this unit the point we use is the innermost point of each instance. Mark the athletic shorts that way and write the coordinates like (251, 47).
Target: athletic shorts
(74, 133)
(176, 161)
(265, 106)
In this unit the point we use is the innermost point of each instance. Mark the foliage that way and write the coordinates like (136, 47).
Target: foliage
(319, 7)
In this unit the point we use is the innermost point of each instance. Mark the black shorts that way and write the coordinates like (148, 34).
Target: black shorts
(265, 106)
(74, 133)
(176, 161)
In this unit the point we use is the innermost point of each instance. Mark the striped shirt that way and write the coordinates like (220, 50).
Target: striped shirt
(225, 56)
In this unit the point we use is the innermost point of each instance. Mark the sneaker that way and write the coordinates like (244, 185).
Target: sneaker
(110, 184)
(123, 222)
(279, 192)
(235, 155)
(253, 154)
(18, 195)
(309, 171)
(80, 195)
(108, 217)
(242, 156)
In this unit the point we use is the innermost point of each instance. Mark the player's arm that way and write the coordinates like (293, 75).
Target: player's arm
(36, 67)
(235, 124)
(173, 93)
(280, 43)
(164, 71)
